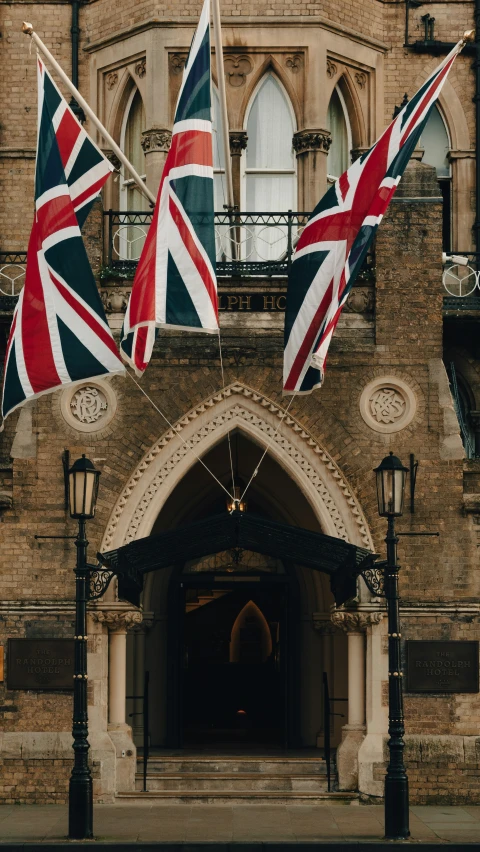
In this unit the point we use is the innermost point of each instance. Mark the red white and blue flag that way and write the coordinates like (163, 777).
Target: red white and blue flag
(333, 245)
(59, 333)
(175, 283)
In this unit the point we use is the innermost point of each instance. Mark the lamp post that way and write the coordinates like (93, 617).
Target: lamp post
(391, 478)
(82, 488)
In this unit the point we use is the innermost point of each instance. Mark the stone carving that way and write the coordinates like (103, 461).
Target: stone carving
(115, 301)
(156, 139)
(294, 62)
(88, 407)
(311, 140)
(360, 301)
(111, 79)
(331, 69)
(388, 404)
(117, 620)
(177, 62)
(236, 70)
(88, 404)
(112, 158)
(238, 411)
(355, 622)
(238, 142)
(141, 68)
(361, 79)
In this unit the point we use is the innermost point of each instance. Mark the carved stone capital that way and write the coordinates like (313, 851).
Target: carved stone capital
(355, 622)
(238, 142)
(116, 619)
(156, 139)
(357, 152)
(112, 158)
(311, 140)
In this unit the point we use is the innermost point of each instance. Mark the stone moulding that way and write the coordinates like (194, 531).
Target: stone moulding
(237, 394)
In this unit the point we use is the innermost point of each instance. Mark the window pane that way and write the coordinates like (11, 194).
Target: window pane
(267, 193)
(270, 129)
(133, 134)
(338, 159)
(434, 140)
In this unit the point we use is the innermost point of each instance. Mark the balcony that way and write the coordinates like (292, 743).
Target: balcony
(462, 287)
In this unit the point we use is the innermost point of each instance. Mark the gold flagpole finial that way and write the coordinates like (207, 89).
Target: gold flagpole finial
(469, 35)
(27, 28)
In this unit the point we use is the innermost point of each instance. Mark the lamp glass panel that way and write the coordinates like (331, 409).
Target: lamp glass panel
(399, 489)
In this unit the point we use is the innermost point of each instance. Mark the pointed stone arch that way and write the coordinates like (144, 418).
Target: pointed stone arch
(270, 65)
(354, 110)
(237, 406)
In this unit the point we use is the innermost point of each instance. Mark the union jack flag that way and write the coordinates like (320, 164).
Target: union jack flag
(175, 283)
(333, 245)
(59, 333)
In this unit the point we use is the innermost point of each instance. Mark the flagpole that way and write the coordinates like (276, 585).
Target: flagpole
(28, 30)
(217, 27)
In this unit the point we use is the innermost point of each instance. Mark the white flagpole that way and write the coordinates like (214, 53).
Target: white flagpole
(28, 30)
(217, 27)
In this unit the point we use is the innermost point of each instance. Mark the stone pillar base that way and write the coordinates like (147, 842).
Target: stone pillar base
(347, 756)
(125, 757)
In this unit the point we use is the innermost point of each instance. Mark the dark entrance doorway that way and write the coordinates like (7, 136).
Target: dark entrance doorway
(234, 683)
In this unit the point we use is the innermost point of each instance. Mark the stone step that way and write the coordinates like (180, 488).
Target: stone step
(233, 782)
(230, 766)
(209, 797)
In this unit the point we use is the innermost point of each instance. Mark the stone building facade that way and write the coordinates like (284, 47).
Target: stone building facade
(330, 76)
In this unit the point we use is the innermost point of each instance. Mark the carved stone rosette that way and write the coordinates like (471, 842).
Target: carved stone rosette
(355, 622)
(156, 139)
(238, 142)
(126, 619)
(311, 140)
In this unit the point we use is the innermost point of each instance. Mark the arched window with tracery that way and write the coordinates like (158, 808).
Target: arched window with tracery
(338, 159)
(269, 181)
(131, 143)
(436, 144)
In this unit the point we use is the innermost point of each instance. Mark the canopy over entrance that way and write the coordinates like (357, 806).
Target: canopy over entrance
(342, 561)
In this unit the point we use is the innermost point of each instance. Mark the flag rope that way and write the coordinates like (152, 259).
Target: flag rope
(164, 416)
(267, 448)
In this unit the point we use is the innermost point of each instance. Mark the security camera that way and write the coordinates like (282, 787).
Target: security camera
(459, 259)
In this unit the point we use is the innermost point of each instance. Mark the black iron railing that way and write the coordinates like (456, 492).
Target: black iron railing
(246, 243)
(12, 277)
(327, 726)
(461, 281)
(146, 725)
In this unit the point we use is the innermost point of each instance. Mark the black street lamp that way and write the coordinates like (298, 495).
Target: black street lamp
(391, 478)
(82, 488)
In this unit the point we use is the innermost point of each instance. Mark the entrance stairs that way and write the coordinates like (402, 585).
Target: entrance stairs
(222, 779)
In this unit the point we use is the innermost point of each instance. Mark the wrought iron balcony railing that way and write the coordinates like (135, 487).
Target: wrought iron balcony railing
(247, 244)
(12, 277)
(461, 281)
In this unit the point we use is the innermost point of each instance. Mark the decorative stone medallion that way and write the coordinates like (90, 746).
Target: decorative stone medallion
(89, 407)
(388, 404)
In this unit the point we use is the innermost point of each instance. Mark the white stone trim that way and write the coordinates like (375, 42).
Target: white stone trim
(165, 464)
(405, 398)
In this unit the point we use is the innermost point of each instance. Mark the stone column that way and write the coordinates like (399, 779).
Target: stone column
(311, 148)
(354, 624)
(156, 144)
(238, 143)
(118, 618)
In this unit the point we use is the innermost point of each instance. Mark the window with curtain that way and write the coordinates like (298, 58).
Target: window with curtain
(269, 179)
(338, 159)
(129, 240)
(436, 144)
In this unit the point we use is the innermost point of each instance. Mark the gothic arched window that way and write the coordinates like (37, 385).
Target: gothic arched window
(269, 172)
(338, 159)
(131, 138)
(436, 144)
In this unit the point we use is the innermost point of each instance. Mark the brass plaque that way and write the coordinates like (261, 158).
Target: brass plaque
(442, 666)
(40, 664)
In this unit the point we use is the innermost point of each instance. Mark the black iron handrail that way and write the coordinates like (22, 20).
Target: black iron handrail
(146, 725)
(327, 715)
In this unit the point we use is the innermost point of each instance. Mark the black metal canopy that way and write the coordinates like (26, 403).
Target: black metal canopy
(333, 556)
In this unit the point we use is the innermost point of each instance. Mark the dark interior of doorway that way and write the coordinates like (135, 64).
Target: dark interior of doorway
(234, 683)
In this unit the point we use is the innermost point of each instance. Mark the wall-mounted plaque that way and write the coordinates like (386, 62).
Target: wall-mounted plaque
(442, 666)
(40, 664)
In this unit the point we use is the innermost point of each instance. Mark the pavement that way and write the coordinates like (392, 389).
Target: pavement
(326, 824)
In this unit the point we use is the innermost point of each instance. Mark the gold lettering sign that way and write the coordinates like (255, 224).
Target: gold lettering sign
(258, 302)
